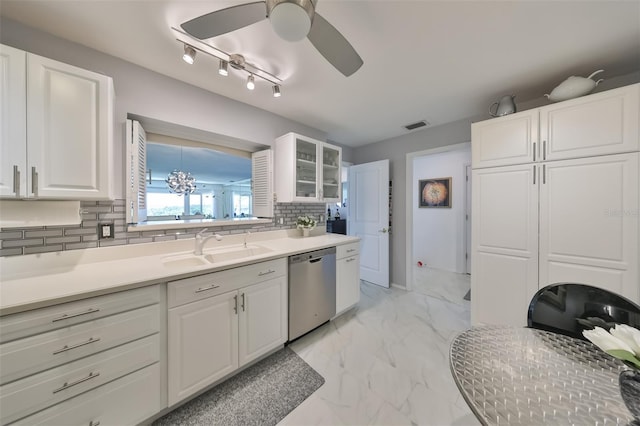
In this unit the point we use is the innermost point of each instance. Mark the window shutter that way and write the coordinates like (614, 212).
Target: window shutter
(137, 171)
(262, 183)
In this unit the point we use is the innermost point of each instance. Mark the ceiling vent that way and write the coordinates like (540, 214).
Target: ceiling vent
(416, 125)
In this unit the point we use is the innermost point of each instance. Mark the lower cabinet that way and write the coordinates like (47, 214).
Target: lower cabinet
(210, 338)
(347, 276)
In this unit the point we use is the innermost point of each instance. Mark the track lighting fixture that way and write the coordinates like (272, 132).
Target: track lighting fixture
(237, 61)
(189, 55)
(223, 68)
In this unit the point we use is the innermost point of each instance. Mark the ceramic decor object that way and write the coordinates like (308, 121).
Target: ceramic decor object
(574, 87)
(505, 106)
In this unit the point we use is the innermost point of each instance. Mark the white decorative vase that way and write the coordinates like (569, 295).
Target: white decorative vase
(305, 232)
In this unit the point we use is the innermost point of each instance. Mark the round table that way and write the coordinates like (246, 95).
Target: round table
(526, 376)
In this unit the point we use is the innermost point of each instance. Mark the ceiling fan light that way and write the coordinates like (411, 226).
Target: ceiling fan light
(276, 91)
(189, 55)
(291, 21)
(251, 82)
(223, 68)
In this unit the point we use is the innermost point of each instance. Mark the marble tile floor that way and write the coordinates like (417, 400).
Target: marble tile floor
(386, 362)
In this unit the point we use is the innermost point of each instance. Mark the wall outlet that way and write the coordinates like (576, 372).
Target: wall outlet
(281, 220)
(105, 230)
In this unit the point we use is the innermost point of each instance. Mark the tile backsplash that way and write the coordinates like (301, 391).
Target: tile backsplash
(42, 239)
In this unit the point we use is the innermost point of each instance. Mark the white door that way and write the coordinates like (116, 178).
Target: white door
(589, 223)
(505, 244)
(203, 344)
(369, 218)
(69, 111)
(13, 122)
(263, 311)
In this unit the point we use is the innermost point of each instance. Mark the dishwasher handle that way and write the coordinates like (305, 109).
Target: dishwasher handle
(315, 260)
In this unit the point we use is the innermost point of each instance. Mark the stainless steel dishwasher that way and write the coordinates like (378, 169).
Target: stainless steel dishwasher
(312, 290)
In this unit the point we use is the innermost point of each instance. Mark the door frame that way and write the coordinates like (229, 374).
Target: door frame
(409, 201)
(467, 220)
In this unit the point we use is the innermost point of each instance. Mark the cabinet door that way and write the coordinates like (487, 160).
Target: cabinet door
(202, 344)
(589, 223)
(331, 173)
(13, 122)
(599, 124)
(347, 283)
(504, 270)
(505, 140)
(263, 318)
(306, 172)
(69, 111)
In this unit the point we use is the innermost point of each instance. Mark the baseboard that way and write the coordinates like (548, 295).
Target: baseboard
(398, 286)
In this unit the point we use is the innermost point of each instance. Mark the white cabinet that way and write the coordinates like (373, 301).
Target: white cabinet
(504, 270)
(347, 276)
(221, 321)
(569, 214)
(599, 124)
(57, 358)
(307, 170)
(63, 149)
(589, 223)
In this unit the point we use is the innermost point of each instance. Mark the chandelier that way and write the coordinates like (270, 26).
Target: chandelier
(180, 182)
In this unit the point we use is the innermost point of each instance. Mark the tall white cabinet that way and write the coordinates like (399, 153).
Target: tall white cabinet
(57, 129)
(556, 199)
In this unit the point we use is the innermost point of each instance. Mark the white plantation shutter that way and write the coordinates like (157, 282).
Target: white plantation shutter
(262, 183)
(137, 173)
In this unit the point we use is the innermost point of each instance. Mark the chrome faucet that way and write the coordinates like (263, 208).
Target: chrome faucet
(200, 241)
(246, 235)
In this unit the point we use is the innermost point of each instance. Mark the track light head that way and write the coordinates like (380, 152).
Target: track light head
(276, 91)
(223, 68)
(189, 55)
(251, 82)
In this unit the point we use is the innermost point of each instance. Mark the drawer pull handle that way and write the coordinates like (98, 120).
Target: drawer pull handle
(67, 385)
(68, 348)
(211, 287)
(66, 316)
(270, 271)
(351, 259)
(96, 423)
(351, 250)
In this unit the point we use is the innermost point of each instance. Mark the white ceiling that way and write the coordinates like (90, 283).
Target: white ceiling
(438, 61)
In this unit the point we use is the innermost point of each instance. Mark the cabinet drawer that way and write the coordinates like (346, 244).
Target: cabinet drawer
(203, 286)
(46, 319)
(24, 397)
(126, 401)
(345, 250)
(23, 357)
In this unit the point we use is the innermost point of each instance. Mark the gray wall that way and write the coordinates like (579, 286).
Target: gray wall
(146, 93)
(395, 150)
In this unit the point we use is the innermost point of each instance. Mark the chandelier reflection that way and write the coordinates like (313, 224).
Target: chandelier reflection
(181, 182)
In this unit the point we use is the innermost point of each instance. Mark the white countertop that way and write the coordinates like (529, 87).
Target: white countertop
(38, 280)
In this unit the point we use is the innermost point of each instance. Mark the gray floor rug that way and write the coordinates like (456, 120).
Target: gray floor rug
(263, 394)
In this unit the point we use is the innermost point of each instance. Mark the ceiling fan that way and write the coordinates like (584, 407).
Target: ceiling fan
(292, 20)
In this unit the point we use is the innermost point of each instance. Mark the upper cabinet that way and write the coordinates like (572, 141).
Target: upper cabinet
(61, 148)
(599, 124)
(307, 170)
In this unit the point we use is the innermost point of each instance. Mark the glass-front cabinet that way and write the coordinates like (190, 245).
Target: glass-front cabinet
(307, 170)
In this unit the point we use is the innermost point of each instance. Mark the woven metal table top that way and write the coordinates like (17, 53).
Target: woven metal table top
(526, 376)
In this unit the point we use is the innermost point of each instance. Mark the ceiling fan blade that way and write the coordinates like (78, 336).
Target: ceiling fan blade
(333, 46)
(225, 20)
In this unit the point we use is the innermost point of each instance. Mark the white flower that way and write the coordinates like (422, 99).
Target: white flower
(605, 341)
(622, 343)
(629, 335)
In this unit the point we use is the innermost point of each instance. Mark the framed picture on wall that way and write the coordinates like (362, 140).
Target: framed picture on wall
(434, 192)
